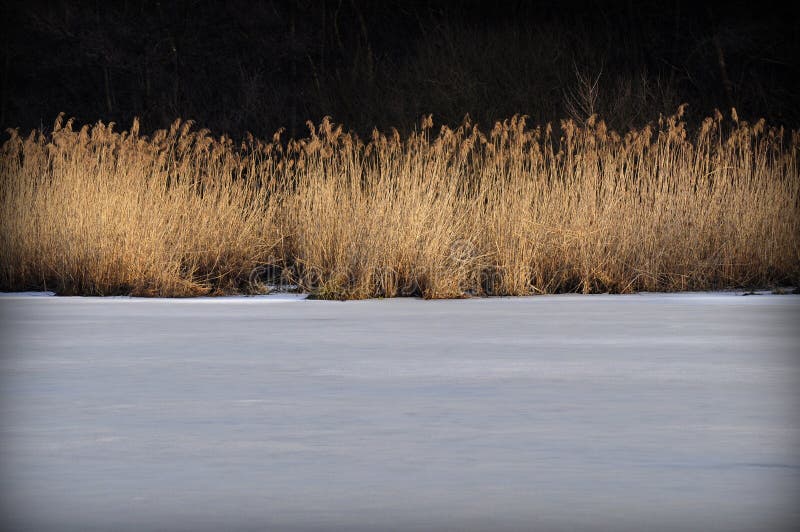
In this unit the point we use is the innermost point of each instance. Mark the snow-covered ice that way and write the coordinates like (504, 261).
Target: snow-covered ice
(642, 412)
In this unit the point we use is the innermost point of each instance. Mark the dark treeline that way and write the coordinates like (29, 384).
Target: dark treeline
(243, 65)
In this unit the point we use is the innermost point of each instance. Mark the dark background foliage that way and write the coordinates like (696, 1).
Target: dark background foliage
(243, 65)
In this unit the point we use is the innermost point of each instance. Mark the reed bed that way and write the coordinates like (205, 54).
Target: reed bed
(512, 211)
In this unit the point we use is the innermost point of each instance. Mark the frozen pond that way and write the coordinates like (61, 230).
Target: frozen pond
(574, 413)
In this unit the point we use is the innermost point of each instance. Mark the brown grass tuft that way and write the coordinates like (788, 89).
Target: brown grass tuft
(516, 211)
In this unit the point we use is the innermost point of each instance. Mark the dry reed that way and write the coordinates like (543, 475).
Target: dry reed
(512, 211)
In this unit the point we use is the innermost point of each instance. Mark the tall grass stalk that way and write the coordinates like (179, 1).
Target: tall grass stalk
(511, 211)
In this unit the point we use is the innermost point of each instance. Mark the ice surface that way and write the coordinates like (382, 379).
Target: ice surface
(641, 412)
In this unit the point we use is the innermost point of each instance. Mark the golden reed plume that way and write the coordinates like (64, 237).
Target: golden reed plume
(512, 211)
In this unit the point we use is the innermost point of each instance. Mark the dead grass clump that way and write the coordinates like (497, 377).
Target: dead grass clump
(512, 211)
(96, 212)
